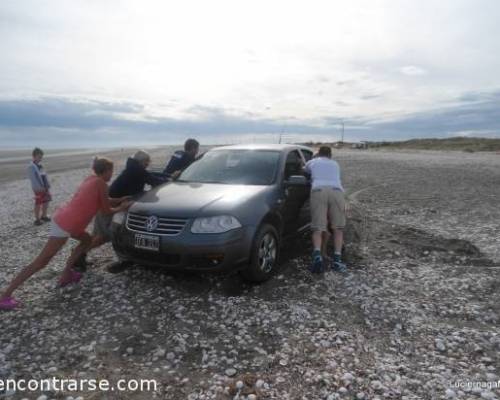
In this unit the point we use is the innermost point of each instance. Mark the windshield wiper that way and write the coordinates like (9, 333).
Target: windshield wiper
(195, 181)
(223, 183)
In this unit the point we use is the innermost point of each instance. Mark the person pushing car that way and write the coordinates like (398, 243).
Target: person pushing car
(182, 159)
(327, 207)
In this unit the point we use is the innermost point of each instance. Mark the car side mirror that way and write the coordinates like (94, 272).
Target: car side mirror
(297, 180)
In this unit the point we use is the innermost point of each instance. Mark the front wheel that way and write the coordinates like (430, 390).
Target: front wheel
(264, 255)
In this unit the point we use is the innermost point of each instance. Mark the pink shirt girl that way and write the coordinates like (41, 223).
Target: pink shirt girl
(75, 216)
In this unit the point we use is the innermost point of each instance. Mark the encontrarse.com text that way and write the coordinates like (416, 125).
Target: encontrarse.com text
(77, 385)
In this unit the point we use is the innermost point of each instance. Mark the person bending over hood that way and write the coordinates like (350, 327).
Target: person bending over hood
(134, 177)
(180, 160)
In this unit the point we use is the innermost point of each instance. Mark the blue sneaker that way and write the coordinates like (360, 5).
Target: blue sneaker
(317, 262)
(339, 266)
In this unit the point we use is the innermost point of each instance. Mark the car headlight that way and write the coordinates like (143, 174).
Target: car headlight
(119, 217)
(219, 224)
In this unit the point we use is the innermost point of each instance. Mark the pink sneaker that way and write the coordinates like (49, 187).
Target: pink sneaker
(8, 303)
(73, 277)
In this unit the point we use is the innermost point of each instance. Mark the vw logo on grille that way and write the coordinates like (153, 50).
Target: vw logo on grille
(151, 223)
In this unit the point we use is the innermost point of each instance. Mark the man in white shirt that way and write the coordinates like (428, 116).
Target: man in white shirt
(327, 207)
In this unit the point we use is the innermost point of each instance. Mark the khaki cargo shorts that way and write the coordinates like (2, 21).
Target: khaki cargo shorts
(327, 206)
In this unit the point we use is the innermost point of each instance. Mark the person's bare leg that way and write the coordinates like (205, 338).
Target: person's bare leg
(324, 244)
(50, 250)
(317, 259)
(45, 207)
(81, 262)
(97, 241)
(37, 212)
(81, 248)
(316, 239)
(338, 240)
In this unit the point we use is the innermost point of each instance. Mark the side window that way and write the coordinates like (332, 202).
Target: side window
(293, 165)
(308, 154)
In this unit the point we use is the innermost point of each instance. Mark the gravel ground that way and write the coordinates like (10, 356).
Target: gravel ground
(416, 317)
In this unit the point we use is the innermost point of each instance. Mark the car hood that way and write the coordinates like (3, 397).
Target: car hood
(188, 200)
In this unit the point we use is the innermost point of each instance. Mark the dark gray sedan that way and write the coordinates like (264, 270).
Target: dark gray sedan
(232, 209)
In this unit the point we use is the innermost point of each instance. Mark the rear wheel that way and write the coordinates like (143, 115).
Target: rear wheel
(264, 255)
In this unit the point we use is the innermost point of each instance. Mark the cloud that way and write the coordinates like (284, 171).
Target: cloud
(77, 122)
(472, 117)
(370, 96)
(317, 58)
(472, 97)
(63, 113)
(412, 70)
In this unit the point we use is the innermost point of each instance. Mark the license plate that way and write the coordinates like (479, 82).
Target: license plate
(147, 242)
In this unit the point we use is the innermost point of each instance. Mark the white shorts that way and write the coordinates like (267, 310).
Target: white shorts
(56, 231)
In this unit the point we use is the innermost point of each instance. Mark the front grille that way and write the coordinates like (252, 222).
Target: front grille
(166, 226)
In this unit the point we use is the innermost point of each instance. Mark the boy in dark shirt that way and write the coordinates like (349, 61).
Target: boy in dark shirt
(180, 160)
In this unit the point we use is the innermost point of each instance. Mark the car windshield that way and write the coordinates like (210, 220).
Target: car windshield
(246, 167)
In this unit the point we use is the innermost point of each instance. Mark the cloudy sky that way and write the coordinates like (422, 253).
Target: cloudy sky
(119, 72)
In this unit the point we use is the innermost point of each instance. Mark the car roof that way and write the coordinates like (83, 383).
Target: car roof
(263, 146)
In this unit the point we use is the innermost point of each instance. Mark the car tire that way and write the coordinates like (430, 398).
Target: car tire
(264, 255)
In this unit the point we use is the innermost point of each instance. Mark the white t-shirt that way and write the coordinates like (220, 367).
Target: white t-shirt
(324, 172)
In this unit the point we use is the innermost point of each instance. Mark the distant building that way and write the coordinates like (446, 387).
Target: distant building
(359, 145)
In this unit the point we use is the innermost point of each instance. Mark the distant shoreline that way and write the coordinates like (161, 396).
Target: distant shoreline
(48, 154)
(12, 155)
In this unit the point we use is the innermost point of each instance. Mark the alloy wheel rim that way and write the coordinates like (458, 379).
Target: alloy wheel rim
(267, 253)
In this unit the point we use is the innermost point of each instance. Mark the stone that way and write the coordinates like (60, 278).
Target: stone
(440, 345)
(347, 376)
(259, 384)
